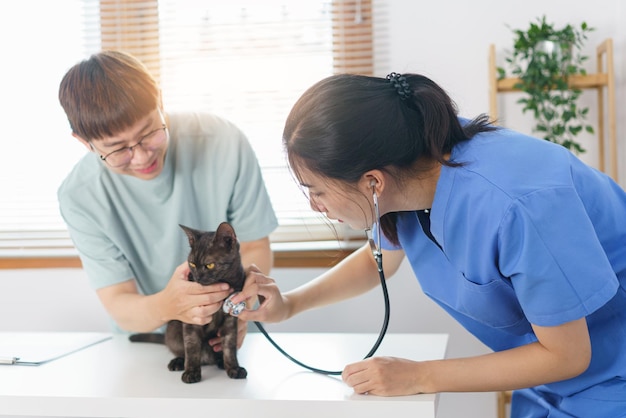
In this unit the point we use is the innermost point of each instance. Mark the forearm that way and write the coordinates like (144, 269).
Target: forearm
(132, 311)
(562, 352)
(354, 275)
(517, 368)
(139, 313)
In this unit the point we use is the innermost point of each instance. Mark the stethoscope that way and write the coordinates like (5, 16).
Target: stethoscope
(378, 257)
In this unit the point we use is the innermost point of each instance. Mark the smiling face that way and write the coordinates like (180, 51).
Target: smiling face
(145, 160)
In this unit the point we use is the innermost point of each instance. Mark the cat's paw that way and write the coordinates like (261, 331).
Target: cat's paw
(192, 375)
(237, 373)
(176, 364)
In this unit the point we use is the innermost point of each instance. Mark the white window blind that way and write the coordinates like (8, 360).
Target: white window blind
(247, 61)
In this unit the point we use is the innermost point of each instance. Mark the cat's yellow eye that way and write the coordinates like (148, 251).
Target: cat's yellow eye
(192, 265)
(210, 266)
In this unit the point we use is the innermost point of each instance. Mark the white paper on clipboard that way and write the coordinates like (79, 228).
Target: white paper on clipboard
(35, 348)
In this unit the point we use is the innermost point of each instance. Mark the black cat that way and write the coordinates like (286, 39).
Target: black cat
(214, 257)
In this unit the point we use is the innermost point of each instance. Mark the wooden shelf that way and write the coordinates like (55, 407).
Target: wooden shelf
(588, 81)
(603, 80)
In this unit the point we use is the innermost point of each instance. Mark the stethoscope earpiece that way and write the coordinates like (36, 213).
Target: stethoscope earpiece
(376, 251)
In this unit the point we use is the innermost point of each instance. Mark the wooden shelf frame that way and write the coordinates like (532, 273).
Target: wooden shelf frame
(603, 80)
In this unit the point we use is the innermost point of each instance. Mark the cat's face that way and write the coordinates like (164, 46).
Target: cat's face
(214, 256)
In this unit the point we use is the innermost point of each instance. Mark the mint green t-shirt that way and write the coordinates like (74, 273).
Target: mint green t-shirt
(125, 228)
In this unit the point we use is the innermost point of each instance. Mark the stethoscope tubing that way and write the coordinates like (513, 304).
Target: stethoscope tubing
(374, 348)
(378, 257)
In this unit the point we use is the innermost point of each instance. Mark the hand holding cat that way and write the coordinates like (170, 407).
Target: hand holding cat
(192, 302)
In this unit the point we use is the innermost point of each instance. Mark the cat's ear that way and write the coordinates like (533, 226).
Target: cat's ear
(225, 234)
(191, 234)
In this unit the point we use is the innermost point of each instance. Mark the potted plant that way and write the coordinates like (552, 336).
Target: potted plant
(544, 58)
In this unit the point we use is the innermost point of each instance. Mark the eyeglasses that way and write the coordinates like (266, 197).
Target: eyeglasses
(149, 142)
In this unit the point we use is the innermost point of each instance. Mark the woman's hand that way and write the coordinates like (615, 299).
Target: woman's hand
(273, 307)
(384, 376)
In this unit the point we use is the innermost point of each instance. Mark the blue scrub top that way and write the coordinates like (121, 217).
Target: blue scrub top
(527, 233)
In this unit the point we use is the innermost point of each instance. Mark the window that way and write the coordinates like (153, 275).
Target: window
(246, 60)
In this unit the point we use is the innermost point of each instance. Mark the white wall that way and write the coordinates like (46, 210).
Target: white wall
(448, 41)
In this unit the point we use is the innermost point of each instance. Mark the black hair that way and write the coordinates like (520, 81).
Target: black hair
(346, 125)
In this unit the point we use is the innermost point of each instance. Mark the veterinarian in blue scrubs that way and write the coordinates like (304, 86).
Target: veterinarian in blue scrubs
(146, 172)
(516, 238)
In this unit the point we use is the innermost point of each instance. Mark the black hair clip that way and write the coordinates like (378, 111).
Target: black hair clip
(398, 81)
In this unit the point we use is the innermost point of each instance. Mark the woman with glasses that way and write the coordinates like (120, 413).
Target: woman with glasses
(516, 238)
(146, 173)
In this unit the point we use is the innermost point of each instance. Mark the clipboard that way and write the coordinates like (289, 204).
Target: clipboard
(36, 348)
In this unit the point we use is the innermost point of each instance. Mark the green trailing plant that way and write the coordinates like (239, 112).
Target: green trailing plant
(544, 58)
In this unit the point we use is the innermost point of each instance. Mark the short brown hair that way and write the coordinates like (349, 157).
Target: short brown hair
(107, 93)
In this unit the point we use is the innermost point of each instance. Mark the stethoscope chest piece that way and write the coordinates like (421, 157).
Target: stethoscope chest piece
(233, 309)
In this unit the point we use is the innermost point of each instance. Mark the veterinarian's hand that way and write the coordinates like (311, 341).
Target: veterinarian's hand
(258, 286)
(192, 302)
(242, 330)
(383, 376)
